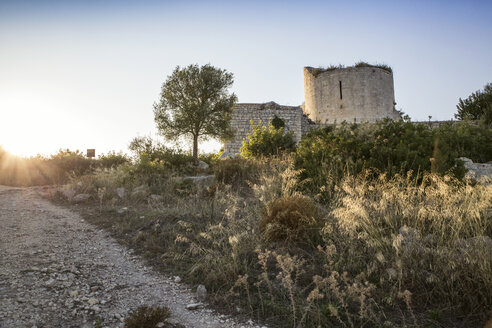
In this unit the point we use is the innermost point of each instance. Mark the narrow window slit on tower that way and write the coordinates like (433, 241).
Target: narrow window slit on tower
(340, 89)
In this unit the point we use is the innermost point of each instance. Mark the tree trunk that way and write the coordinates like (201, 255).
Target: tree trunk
(195, 149)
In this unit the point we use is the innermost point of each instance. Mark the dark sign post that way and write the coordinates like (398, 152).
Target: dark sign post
(91, 153)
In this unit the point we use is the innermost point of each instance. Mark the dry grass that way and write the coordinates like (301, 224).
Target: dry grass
(291, 218)
(150, 317)
(396, 252)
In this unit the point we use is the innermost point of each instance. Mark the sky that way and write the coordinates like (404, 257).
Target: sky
(85, 74)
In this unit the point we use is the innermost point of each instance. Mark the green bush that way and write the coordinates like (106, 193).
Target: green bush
(69, 163)
(464, 139)
(39, 170)
(390, 147)
(112, 160)
(267, 141)
(147, 171)
(478, 106)
(170, 160)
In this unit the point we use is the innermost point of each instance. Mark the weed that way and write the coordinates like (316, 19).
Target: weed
(291, 218)
(147, 317)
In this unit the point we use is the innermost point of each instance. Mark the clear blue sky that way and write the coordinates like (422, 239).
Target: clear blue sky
(84, 74)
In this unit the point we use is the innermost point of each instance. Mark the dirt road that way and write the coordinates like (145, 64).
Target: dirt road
(56, 270)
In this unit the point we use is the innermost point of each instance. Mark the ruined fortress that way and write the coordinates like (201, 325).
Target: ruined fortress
(360, 93)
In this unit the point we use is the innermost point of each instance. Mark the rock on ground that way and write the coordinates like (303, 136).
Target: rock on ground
(477, 171)
(56, 270)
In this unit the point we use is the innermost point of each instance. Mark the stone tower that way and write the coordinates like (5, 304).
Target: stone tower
(363, 93)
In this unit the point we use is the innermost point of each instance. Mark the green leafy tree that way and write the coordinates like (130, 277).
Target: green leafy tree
(267, 141)
(478, 106)
(195, 103)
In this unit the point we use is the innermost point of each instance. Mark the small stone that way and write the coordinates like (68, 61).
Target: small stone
(50, 283)
(122, 210)
(121, 192)
(156, 198)
(193, 306)
(139, 192)
(391, 273)
(92, 301)
(202, 165)
(177, 279)
(201, 293)
(81, 198)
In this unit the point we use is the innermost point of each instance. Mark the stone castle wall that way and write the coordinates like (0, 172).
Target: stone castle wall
(360, 94)
(242, 115)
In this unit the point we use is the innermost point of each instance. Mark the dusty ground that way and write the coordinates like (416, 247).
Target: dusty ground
(56, 270)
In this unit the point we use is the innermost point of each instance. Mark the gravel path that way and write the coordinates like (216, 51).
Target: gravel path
(56, 270)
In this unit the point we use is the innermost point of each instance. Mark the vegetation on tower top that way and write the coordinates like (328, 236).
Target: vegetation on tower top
(318, 70)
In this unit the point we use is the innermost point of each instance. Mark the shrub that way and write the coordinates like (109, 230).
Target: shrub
(235, 171)
(151, 172)
(478, 106)
(390, 147)
(112, 160)
(267, 141)
(382, 66)
(147, 317)
(291, 218)
(69, 163)
(464, 139)
(147, 150)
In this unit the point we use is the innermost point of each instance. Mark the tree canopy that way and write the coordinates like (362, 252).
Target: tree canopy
(195, 103)
(478, 106)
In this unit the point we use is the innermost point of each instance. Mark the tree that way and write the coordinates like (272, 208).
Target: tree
(478, 106)
(195, 103)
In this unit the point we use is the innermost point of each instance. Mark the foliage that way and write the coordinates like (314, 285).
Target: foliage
(464, 140)
(146, 149)
(389, 248)
(235, 171)
(382, 66)
(391, 147)
(195, 103)
(428, 237)
(112, 160)
(39, 170)
(267, 141)
(147, 317)
(277, 122)
(478, 106)
(291, 218)
(154, 160)
(69, 162)
(317, 71)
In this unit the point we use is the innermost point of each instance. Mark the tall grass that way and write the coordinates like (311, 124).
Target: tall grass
(390, 251)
